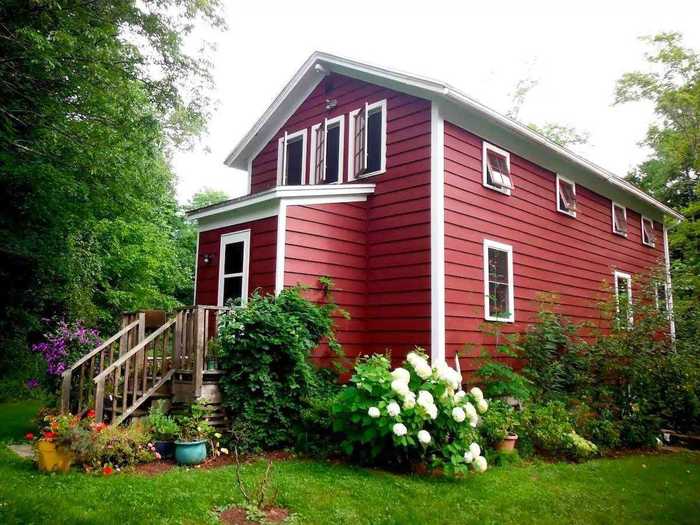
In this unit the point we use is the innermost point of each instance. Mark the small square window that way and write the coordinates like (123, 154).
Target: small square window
(566, 196)
(498, 282)
(619, 219)
(496, 169)
(648, 237)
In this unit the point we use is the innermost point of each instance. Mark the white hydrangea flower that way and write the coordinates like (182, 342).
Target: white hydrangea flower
(400, 387)
(468, 457)
(401, 374)
(423, 370)
(474, 421)
(459, 396)
(482, 406)
(475, 449)
(373, 412)
(424, 437)
(432, 411)
(409, 400)
(480, 464)
(400, 429)
(477, 393)
(470, 410)
(458, 414)
(425, 398)
(393, 409)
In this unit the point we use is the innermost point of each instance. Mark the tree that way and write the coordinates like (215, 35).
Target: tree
(672, 85)
(93, 96)
(206, 197)
(561, 134)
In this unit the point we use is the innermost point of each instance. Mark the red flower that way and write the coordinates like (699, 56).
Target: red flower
(29, 436)
(99, 427)
(49, 435)
(107, 470)
(90, 413)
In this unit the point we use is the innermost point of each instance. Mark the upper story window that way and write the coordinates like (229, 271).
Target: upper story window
(234, 256)
(498, 282)
(623, 297)
(648, 236)
(619, 219)
(327, 139)
(566, 196)
(367, 144)
(496, 169)
(291, 159)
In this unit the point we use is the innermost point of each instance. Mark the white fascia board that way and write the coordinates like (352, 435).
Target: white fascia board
(309, 75)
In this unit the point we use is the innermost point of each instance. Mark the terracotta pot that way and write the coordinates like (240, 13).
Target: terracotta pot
(53, 459)
(508, 444)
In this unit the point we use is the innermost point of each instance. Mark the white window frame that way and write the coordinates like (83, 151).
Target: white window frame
(329, 123)
(612, 210)
(485, 149)
(368, 108)
(627, 277)
(651, 244)
(573, 184)
(282, 155)
(511, 284)
(232, 238)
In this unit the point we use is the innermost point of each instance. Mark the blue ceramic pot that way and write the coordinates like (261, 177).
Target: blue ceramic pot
(166, 449)
(190, 452)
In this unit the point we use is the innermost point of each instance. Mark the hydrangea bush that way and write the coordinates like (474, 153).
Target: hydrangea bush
(414, 414)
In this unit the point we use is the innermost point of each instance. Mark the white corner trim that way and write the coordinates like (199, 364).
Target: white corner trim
(511, 284)
(281, 247)
(229, 238)
(669, 286)
(196, 265)
(437, 235)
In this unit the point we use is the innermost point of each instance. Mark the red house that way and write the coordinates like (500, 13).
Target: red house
(430, 212)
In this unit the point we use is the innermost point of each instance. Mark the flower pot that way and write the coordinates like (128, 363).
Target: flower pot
(212, 363)
(166, 449)
(507, 445)
(190, 452)
(53, 459)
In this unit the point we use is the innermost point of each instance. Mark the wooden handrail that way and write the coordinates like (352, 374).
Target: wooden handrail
(102, 346)
(133, 351)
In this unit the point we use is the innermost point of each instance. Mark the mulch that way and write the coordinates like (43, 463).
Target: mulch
(164, 465)
(237, 516)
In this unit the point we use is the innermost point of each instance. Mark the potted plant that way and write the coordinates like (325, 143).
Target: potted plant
(191, 445)
(53, 447)
(164, 429)
(213, 352)
(498, 426)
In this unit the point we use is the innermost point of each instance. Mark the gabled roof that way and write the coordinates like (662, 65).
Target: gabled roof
(319, 64)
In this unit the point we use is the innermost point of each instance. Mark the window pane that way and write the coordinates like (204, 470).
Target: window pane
(232, 288)
(233, 259)
(567, 198)
(623, 300)
(332, 153)
(497, 170)
(620, 221)
(374, 141)
(661, 297)
(498, 300)
(498, 266)
(294, 157)
(647, 232)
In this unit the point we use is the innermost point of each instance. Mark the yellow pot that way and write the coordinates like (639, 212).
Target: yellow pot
(53, 459)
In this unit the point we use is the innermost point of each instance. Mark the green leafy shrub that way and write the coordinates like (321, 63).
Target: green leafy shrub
(162, 426)
(500, 421)
(119, 446)
(412, 415)
(500, 380)
(269, 380)
(193, 426)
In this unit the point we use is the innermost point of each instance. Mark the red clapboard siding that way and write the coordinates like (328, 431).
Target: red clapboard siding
(392, 231)
(263, 239)
(552, 252)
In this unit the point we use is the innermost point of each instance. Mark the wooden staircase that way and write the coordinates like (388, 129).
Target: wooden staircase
(151, 357)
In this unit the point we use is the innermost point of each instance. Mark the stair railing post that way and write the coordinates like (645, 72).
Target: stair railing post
(199, 352)
(99, 400)
(65, 392)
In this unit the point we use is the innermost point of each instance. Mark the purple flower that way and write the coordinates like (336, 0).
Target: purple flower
(32, 383)
(65, 344)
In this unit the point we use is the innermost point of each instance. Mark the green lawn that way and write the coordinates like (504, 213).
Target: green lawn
(637, 489)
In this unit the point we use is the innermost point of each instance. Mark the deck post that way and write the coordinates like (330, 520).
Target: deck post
(65, 392)
(99, 400)
(200, 339)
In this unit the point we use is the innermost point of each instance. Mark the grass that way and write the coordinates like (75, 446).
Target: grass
(15, 419)
(658, 488)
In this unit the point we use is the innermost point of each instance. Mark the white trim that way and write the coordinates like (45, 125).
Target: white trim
(484, 161)
(281, 155)
(281, 247)
(249, 183)
(612, 211)
(309, 76)
(622, 275)
(339, 122)
(252, 213)
(511, 284)
(651, 244)
(437, 236)
(196, 265)
(351, 143)
(230, 238)
(568, 181)
(669, 286)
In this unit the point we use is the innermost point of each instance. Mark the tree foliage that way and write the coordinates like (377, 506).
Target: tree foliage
(93, 95)
(206, 197)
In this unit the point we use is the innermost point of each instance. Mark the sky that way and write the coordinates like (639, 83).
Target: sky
(575, 51)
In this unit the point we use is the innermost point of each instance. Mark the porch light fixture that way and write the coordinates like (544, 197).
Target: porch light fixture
(207, 258)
